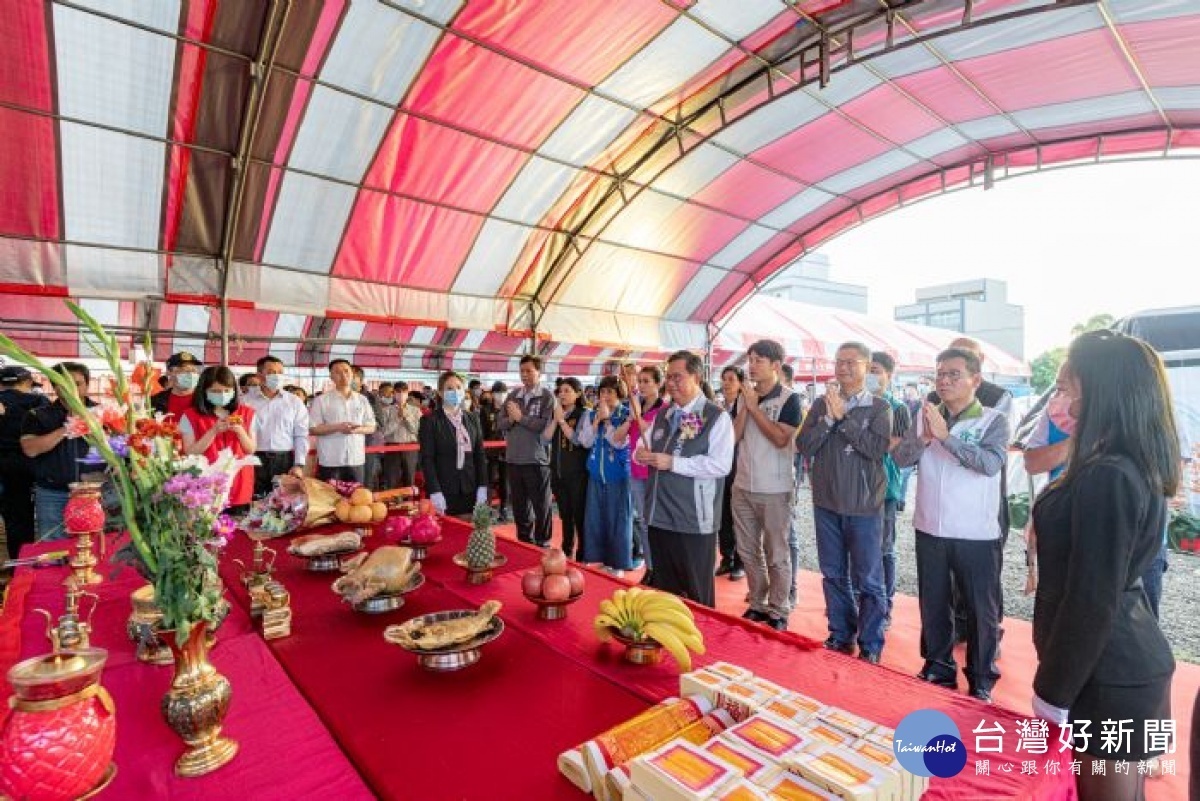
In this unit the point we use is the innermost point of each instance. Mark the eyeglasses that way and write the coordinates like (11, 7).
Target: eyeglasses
(676, 377)
(950, 376)
(849, 362)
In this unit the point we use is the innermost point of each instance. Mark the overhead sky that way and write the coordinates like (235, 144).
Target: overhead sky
(1116, 238)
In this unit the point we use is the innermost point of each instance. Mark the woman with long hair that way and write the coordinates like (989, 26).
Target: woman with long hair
(452, 457)
(645, 405)
(218, 420)
(568, 463)
(1101, 654)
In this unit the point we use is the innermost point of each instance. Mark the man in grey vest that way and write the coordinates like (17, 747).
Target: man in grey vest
(689, 451)
(522, 419)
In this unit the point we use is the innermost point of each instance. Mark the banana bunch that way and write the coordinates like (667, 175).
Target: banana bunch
(642, 614)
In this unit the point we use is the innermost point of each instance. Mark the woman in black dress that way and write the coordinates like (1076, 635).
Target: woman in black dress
(1101, 654)
(452, 457)
(568, 463)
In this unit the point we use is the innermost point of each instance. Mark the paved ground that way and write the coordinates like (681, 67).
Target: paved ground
(1181, 584)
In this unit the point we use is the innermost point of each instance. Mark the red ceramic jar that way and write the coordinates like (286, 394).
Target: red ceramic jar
(83, 512)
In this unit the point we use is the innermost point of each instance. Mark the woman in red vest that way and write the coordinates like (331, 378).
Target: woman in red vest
(217, 421)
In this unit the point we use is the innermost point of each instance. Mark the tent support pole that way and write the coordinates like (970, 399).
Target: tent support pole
(260, 74)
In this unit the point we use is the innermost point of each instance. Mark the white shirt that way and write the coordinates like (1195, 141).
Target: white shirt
(280, 423)
(341, 450)
(719, 460)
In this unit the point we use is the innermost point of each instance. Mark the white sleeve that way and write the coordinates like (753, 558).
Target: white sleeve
(300, 434)
(718, 461)
(585, 432)
(315, 417)
(1039, 437)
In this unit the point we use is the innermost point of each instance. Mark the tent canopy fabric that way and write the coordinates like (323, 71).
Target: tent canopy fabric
(810, 336)
(605, 173)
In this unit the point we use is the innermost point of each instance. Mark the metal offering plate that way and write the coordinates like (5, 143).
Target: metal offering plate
(326, 562)
(552, 610)
(479, 576)
(391, 601)
(639, 652)
(420, 549)
(455, 657)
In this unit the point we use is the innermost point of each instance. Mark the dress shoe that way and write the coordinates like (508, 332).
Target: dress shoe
(980, 694)
(932, 678)
(840, 647)
(723, 568)
(777, 623)
(755, 616)
(867, 656)
(737, 574)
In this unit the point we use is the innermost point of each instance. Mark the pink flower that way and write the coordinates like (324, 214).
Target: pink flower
(76, 427)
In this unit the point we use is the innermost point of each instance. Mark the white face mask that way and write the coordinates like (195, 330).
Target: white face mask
(873, 384)
(387, 401)
(274, 382)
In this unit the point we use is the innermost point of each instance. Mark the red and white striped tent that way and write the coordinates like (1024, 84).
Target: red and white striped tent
(616, 175)
(810, 336)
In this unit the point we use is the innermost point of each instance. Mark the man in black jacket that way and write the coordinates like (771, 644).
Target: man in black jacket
(17, 399)
(846, 434)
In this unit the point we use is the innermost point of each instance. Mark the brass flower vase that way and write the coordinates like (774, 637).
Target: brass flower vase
(196, 704)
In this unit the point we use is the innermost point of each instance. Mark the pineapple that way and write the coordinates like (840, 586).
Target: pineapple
(481, 547)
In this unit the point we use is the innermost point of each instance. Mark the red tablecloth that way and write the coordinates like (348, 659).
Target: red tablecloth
(546, 686)
(285, 751)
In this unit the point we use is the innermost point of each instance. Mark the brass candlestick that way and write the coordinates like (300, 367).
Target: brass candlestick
(277, 610)
(83, 563)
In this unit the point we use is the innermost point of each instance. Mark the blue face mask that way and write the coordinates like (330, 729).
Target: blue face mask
(874, 384)
(186, 381)
(274, 382)
(453, 397)
(219, 398)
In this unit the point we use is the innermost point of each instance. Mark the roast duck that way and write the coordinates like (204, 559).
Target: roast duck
(384, 571)
(425, 636)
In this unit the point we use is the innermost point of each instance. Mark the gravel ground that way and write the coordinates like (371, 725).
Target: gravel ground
(1181, 583)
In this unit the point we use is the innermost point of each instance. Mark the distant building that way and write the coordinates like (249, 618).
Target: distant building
(977, 308)
(807, 281)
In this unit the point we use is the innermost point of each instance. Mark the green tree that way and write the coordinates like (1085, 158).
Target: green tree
(1093, 323)
(1045, 368)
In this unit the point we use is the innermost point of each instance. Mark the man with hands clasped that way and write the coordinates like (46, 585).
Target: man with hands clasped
(340, 419)
(960, 445)
(522, 419)
(846, 434)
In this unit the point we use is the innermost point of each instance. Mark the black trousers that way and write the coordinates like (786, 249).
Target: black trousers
(726, 539)
(684, 564)
(16, 503)
(271, 464)
(976, 566)
(570, 491)
(530, 488)
(498, 475)
(399, 469)
(350, 472)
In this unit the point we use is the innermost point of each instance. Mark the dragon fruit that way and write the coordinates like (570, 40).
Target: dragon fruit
(397, 526)
(425, 529)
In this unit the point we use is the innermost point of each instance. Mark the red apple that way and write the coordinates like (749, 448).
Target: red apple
(575, 577)
(554, 562)
(556, 587)
(531, 584)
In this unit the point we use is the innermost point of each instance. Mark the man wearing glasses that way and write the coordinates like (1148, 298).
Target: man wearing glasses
(846, 434)
(689, 451)
(960, 445)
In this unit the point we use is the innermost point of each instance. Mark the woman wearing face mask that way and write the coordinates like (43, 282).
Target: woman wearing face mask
(452, 456)
(218, 421)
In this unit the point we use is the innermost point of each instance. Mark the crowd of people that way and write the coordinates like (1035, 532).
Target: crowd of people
(650, 468)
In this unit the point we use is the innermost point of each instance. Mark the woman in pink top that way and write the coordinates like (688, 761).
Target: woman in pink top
(645, 404)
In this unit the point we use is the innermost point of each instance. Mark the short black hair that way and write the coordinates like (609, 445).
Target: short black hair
(66, 368)
(862, 349)
(571, 382)
(341, 361)
(358, 371)
(400, 386)
(615, 384)
(788, 371)
(738, 372)
(972, 360)
(884, 360)
(530, 358)
(691, 362)
(244, 379)
(265, 360)
(474, 382)
(213, 374)
(446, 376)
(386, 385)
(767, 349)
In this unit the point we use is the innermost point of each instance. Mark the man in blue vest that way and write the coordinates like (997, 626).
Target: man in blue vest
(689, 453)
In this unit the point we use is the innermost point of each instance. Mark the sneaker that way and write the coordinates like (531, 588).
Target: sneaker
(737, 574)
(841, 647)
(755, 616)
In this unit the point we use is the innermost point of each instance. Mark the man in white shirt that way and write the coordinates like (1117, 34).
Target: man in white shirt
(280, 426)
(689, 453)
(340, 419)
